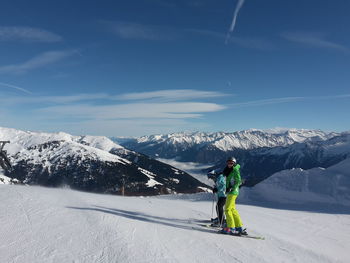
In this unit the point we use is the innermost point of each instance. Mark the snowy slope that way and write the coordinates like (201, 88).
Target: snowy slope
(297, 186)
(4, 179)
(60, 225)
(90, 163)
(27, 139)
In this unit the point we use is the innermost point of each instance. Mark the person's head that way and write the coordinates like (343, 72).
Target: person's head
(231, 161)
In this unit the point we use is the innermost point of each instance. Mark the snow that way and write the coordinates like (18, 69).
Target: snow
(25, 139)
(61, 225)
(4, 179)
(246, 139)
(194, 169)
(330, 186)
(97, 147)
(151, 182)
(100, 142)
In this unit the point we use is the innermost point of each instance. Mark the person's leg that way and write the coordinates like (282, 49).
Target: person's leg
(229, 206)
(236, 217)
(221, 203)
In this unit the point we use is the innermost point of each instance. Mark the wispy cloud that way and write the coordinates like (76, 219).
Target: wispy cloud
(234, 19)
(39, 61)
(128, 30)
(178, 110)
(15, 87)
(157, 109)
(56, 100)
(166, 33)
(30, 34)
(263, 102)
(258, 43)
(314, 40)
(267, 102)
(172, 95)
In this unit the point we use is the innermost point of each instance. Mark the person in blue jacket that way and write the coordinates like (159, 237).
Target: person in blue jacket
(220, 189)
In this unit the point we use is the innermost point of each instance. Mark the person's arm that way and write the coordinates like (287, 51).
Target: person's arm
(237, 180)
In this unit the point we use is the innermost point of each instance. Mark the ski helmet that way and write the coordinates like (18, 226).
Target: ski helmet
(231, 159)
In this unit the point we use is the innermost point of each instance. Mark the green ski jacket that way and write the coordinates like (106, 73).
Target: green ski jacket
(233, 181)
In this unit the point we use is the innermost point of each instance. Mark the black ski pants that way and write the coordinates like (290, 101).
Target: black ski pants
(220, 208)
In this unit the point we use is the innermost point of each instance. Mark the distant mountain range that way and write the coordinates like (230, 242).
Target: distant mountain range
(98, 164)
(261, 153)
(89, 163)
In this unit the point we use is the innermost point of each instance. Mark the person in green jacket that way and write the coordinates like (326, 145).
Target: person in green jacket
(233, 181)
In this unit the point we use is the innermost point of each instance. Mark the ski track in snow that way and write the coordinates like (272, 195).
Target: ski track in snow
(60, 225)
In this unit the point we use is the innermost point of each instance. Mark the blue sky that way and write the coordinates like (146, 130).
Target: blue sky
(132, 68)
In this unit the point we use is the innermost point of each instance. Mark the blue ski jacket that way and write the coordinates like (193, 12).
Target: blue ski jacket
(221, 185)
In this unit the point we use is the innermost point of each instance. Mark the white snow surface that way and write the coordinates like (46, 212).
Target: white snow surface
(329, 186)
(60, 225)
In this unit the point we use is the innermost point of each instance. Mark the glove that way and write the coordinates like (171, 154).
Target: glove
(228, 190)
(215, 190)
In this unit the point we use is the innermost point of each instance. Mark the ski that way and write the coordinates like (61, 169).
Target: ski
(244, 236)
(209, 226)
(213, 229)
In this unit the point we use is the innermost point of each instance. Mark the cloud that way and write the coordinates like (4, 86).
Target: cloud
(178, 110)
(163, 109)
(165, 33)
(14, 87)
(28, 34)
(235, 14)
(313, 40)
(127, 30)
(39, 61)
(119, 127)
(267, 102)
(44, 100)
(180, 94)
(258, 43)
(286, 100)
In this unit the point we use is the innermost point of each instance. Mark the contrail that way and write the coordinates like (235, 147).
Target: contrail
(235, 14)
(15, 87)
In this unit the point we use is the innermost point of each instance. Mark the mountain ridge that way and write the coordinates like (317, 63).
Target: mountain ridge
(90, 163)
(260, 153)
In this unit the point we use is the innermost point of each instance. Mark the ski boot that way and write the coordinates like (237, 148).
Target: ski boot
(239, 231)
(227, 231)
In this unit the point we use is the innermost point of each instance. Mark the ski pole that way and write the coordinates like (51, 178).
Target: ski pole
(222, 219)
(212, 207)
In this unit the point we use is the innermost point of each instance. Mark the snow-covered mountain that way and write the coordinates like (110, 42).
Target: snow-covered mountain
(260, 153)
(305, 187)
(60, 225)
(89, 163)
(196, 147)
(258, 164)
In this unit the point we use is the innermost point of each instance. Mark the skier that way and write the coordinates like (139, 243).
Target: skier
(220, 190)
(233, 181)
